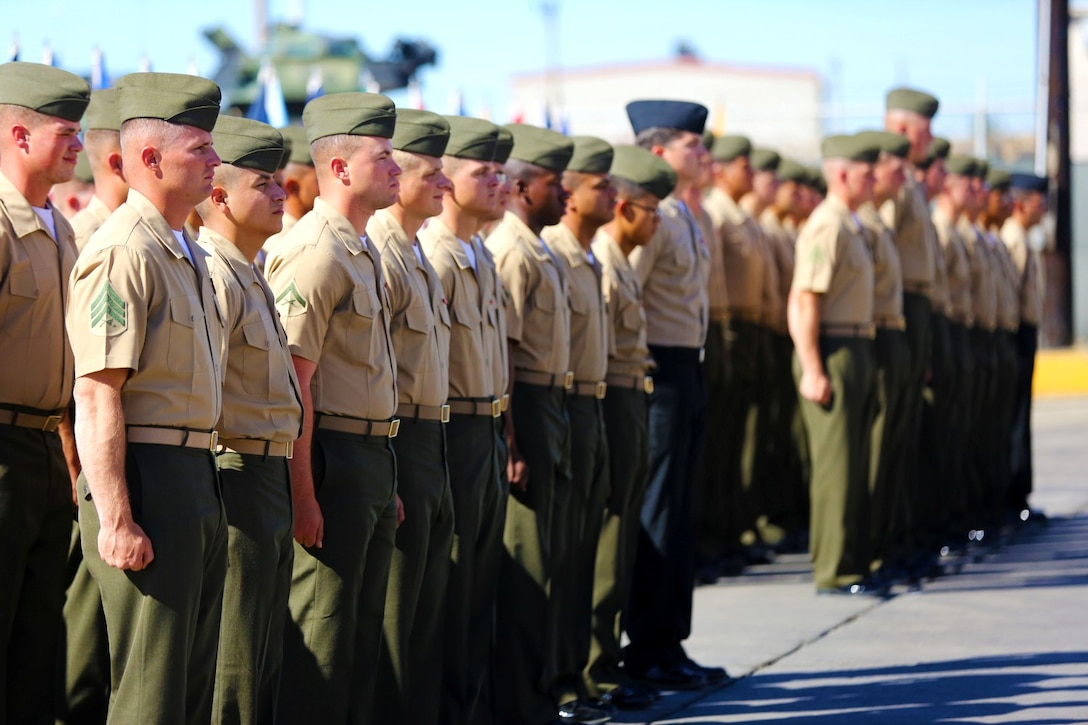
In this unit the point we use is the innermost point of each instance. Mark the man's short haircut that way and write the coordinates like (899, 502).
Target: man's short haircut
(406, 160)
(656, 136)
(523, 171)
(137, 132)
(98, 143)
(11, 114)
(342, 145)
(628, 190)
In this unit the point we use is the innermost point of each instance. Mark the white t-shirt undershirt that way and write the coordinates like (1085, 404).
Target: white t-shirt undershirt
(46, 215)
(470, 251)
(180, 236)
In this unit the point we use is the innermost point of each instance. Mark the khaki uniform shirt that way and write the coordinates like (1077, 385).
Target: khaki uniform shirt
(495, 318)
(88, 220)
(589, 323)
(1028, 271)
(275, 241)
(742, 260)
(419, 320)
(470, 374)
(261, 395)
(36, 366)
(1008, 291)
(782, 242)
(833, 261)
(331, 297)
(907, 216)
(139, 303)
(629, 354)
(537, 297)
(985, 274)
(957, 267)
(674, 268)
(887, 270)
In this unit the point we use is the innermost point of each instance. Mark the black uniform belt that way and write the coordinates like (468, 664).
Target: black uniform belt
(257, 447)
(47, 422)
(631, 382)
(441, 413)
(916, 288)
(865, 330)
(359, 426)
(464, 406)
(547, 380)
(184, 437)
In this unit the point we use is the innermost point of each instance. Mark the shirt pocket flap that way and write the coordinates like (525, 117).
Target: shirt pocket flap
(257, 336)
(418, 318)
(181, 311)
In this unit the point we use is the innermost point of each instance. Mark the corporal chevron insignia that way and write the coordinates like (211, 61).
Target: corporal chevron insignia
(290, 301)
(109, 312)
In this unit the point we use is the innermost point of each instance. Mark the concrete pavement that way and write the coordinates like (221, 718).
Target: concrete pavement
(1005, 640)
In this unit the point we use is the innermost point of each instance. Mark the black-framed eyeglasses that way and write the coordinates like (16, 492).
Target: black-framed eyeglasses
(656, 211)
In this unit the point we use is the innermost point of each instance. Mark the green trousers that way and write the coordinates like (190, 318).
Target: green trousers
(781, 500)
(84, 661)
(726, 508)
(1006, 401)
(524, 658)
(163, 621)
(626, 424)
(918, 312)
(35, 528)
(410, 668)
(479, 506)
(574, 561)
(986, 501)
(839, 440)
(888, 447)
(260, 554)
(938, 412)
(962, 419)
(337, 603)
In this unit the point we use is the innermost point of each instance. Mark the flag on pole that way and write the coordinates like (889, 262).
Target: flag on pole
(548, 115)
(485, 111)
(315, 84)
(564, 124)
(99, 78)
(192, 69)
(368, 83)
(145, 63)
(48, 58)
(415, 94)
(14, 54)
(457, 102)
(269, 106)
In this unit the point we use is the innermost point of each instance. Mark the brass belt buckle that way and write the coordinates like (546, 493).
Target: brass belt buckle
(568, 380)
(505, 400)
(601, 391)
(496, 408)
(648, 385)
(51, 423)
(394, 427)
(290, 452)
(444, 415)
(213, 441)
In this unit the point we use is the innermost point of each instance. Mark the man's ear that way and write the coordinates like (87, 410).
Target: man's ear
(150, 157)
(290, 186)
(115, 165)
(219, 196)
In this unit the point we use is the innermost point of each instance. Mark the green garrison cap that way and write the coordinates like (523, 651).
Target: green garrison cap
(887, 142)
(294, 138)
(44, 89)
(817, 181)
(648, 170)
(353, 113)
(421, 132)
(102, 112)
(708, 139)
(248, 144)
(729, 147)
(910, 99)
(765, 159)
(982, 168)
(851, 148)
(472, 138)
(540, 146)
(172, 97)
(790, 170)
(961, 165)
(592, 155)
(939, 148)
(998, 179)
(83, 169)
(503, 146)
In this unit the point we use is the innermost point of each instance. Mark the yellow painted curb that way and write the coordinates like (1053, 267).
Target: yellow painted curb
(1061, 371)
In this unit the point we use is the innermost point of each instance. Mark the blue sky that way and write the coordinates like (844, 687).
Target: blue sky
(861, 47)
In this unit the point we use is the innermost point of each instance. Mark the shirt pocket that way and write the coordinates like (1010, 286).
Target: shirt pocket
(360, 325)
(18, 297)
(465, 313)
(632, 317)
(256, 360)
(182, 339)
(418, 319)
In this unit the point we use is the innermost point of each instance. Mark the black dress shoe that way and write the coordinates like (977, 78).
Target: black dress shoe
(861, 589)
(626, 697)
(713, 675)
(671, 678)
(579, 711)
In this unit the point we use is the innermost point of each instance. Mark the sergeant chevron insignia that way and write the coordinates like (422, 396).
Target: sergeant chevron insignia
(109, 312)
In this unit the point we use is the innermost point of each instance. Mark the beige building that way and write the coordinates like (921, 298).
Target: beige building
(774, 107)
